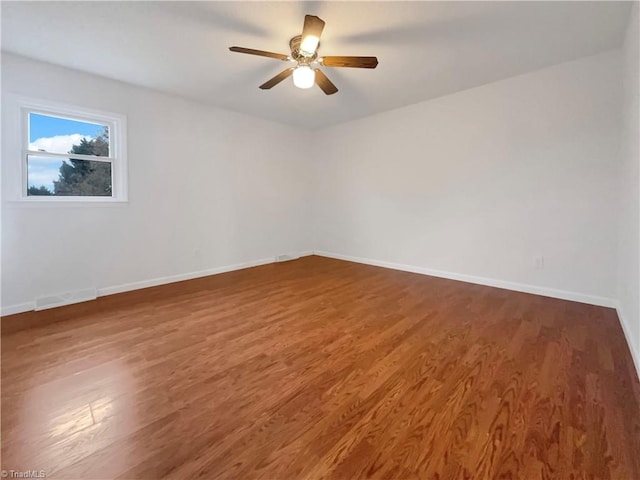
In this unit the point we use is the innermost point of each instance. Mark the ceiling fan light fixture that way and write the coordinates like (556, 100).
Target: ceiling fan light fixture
(309, 45)
(303, 62)
(304, 76)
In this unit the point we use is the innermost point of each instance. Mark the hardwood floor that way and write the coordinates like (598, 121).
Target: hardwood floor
(319, 368)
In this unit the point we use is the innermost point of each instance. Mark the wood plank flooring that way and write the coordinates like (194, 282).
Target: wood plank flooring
(319, 368)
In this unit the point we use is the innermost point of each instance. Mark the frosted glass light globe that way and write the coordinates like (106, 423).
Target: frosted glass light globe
(304, 76)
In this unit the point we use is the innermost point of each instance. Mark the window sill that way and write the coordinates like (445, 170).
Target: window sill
(63, 202)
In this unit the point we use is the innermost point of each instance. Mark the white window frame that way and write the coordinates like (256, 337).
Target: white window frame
(117, 125)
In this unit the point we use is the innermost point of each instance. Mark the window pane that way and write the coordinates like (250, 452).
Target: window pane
(68, 177)
(60, 135)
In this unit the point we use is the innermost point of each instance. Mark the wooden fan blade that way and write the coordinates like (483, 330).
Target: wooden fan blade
(313, 27)
(354, 62)
(277, 79)
(324, 83)
(261, 53)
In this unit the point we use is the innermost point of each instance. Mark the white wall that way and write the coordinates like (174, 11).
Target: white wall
(483, 181)
(207, 188)
(629, 261)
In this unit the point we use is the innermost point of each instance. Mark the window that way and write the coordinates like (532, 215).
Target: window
(72, 154)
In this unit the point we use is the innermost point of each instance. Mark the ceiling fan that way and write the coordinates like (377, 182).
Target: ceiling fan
(305, 61)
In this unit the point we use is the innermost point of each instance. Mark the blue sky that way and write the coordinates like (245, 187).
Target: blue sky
(55, 135)
(42, 126)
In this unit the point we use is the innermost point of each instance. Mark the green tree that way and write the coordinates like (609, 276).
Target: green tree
(41, 190)
(86, 177)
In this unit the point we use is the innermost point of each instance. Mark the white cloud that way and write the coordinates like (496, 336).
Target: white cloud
(58, 144)
(43, 171)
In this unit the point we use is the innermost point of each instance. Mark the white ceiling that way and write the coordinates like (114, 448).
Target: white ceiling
(425, 49)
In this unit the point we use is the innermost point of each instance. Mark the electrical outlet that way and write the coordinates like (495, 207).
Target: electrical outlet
(538, 262)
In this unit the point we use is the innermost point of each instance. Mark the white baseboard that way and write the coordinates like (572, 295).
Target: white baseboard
(154, 282)
(489, 282)
(635, 354)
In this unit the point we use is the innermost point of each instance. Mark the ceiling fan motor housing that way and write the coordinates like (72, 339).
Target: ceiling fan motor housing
(298, 55)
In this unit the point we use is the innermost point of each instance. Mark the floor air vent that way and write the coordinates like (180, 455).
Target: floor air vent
(68, 298)
(286, 257)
